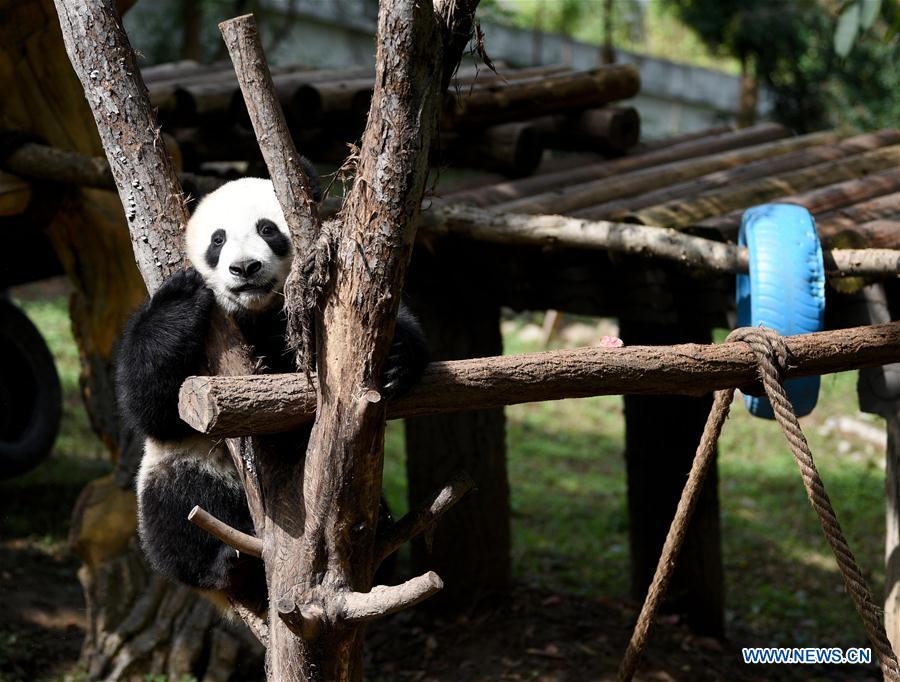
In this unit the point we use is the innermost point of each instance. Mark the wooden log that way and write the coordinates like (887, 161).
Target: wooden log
(819, 200)
(485, 77)
(170, 70)
(186, 71)
(564, 199)
(41, 162)
(606, 129)
(231, 406)
(513, 149)
(881, 234)
(619, 208)
(518, 100)
(681, 138)
(512, 190)
(874, 219)
(629, 238)
(710, 204)
(349, 98)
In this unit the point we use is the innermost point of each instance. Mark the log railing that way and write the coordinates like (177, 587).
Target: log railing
(240, 405)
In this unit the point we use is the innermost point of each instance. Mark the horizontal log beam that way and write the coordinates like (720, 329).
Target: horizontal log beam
(633, 239)
(235, 406)
(34, 161)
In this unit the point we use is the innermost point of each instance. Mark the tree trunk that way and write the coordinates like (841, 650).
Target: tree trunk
(470, 550)
(137, 623)
(749, 93)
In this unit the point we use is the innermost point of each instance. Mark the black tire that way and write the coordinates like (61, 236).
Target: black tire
(30, 394)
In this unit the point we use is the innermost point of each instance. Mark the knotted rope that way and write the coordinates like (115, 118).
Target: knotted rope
(772, 355)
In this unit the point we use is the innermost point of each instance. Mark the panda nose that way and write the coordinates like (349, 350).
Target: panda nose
(244, 268)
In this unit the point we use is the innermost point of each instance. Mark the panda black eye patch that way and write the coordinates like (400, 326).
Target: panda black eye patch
(216, 242)
(274, 237)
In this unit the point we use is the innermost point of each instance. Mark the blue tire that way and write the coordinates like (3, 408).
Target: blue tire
(785, 289)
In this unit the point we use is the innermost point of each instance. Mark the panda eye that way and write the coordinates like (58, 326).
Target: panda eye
(266, 228)
(218, 239)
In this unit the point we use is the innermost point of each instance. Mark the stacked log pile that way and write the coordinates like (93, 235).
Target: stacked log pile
(498, 121)
(850, 184)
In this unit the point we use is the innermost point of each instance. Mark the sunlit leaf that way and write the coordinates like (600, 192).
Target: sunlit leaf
(869, 12)
(847, 28)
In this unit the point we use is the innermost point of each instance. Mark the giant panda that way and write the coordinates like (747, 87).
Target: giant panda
(238, 245)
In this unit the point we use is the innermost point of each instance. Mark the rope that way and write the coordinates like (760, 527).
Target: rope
(772, 355)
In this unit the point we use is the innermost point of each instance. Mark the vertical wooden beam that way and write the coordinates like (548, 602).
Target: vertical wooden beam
(661, 434)
(879, 393)
(470, 548)
(892, 528)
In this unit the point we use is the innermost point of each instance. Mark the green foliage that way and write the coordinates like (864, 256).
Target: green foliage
(793, 48)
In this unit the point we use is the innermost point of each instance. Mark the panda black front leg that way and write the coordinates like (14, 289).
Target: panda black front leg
(163, 343)
(408, 356)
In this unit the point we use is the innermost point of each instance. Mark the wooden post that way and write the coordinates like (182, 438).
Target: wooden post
(661, 436)
(879, 393)
(471, 549)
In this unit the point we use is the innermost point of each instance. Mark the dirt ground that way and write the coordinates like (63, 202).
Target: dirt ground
(537, 636)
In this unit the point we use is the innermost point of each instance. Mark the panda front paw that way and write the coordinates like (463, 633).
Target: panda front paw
(184, 284)
(396, 379)
(185, 299)
(405, 363)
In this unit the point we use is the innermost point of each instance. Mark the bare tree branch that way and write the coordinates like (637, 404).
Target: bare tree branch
(423, 520)
(291, 184)
(384, 600)
(145, 178)
(229, 535)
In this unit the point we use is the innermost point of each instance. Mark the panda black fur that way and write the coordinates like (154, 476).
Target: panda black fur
(237, 243)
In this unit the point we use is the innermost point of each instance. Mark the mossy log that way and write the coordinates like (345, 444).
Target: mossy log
(694, 210)
(564, 199)
(761, 168)
(821, 200)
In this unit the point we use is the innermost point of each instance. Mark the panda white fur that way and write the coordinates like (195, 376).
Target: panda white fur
(237, 241)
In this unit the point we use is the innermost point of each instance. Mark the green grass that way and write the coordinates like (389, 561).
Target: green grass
(568, 498)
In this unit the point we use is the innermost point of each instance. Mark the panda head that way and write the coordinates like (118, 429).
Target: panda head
(237, 239)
